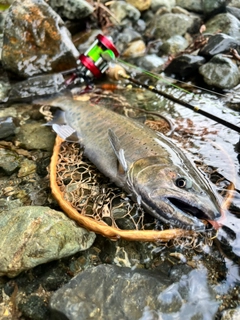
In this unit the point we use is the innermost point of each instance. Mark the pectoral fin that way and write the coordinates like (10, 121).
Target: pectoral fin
(59, 118)
(66, 132)
(119, 152)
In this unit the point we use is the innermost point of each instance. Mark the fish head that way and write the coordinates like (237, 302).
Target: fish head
(172, 193)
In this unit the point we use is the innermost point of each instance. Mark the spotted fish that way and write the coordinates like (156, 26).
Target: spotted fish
(146, 164)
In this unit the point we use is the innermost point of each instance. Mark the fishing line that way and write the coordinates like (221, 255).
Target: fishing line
(197, 109)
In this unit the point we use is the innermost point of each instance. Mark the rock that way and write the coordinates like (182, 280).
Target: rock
(211, 7)
(234, 11)
(34, 307)
(225, 23)
(156, 4)
(35, 235)
(27, 167)
(184, 65)
(234, 3)
(36, 40)
(219, 43)
(37, 86)
(34, 135)
(9, 161)
(170, 24)
(150, 61)
(7, 127)
(108, 292)
(135, 49)
(141, 5)
(220, 72)
(122, 10)
(125, 37)
(190, 5)
(173, 45)
(76, 9)
(231, 314)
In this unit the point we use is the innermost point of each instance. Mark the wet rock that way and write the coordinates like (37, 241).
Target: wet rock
(220, 72)
(135, 49)
(5, 85)
(76, 9)
(156, 4)
(191, 5)
(219, 43)
(173, 45)
(34, 135)
(226, 23)
(122, 11)
(234, 11)
(234, 3)
(36, 40)
(27, 167)
(211, 7)
(35, 235)
(184, 65)
(141, 5)
(231, 314)
(150, 61)
(34, 307)
(37, 86)
(170, 24)
(127, 36)
(9, 161)
(7, 127)
(104, 291)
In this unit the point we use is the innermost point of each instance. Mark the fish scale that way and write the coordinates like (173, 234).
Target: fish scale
(146, 164)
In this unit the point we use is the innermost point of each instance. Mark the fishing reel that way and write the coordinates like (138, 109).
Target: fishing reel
(95, 61)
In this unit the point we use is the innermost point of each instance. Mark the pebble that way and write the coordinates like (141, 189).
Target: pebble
(9, 161)
(34, 136)
(185, 65)
(123, 11)
(220, 72)
(141, 5)
(76, 9)
(7, 127)
(231, 314)
(157, 4)
(173, 45)
(31, 46)
(34, 235)
(170, 24)
(219, 43)
(135, 49)
(224, 23)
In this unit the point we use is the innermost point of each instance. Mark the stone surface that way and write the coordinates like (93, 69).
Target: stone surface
(108, 292)
(141, 5)
(135, 49)
(219, 43)
(36, 40)
(34, 235)
(220, 72)
(122, 10)
(34, 136)
(231, 314)
(76, 9)
(173, 45)
(225, 23)
(234, 11)
(156, 4)
(184, 65)
(7, 127)
(167, 25)
(9, 161)
(191, 5)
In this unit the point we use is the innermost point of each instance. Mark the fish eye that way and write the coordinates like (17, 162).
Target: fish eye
(183, 182)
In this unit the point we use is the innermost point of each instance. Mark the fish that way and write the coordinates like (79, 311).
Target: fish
(146, 164)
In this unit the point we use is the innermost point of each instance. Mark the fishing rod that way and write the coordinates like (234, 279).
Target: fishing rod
(96, 60)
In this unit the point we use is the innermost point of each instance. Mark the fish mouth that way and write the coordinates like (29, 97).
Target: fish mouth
(188, 208)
